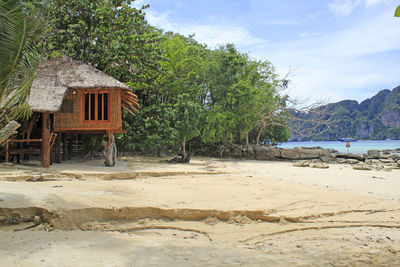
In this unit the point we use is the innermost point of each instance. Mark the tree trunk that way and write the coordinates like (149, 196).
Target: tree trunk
(260, 130)
(45, 146)
(7, 131)
(247, 139)
(184, 148)
(110, 152)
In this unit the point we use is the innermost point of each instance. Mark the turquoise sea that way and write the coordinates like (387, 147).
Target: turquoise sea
(361, 146)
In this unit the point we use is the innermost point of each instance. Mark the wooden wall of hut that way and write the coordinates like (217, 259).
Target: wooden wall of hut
(72, 115)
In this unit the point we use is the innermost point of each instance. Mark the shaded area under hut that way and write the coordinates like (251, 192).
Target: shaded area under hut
(69, 97)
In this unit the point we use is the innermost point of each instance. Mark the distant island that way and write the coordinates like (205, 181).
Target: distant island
(376, 118)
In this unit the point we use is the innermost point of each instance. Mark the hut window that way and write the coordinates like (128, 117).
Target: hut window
(96, 106)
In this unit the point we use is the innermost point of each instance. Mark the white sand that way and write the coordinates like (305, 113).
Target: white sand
(210, 212)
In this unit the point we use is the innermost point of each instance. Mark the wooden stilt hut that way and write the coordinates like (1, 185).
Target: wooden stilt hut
(71, 97)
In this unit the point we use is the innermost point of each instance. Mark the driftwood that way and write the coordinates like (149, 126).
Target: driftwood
(181, 159)
(7, 131)
(110, 152)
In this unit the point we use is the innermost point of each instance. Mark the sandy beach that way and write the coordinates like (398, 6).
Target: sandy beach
(218, 212)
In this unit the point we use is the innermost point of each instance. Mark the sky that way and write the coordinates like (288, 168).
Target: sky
(332, 49)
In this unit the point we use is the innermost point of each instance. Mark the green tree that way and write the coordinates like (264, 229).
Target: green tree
(111, 35)
(22, 25)
(219, 126)
(397, 12)
(243, 97)
(188, 117)
(151, 131)
(182, 68)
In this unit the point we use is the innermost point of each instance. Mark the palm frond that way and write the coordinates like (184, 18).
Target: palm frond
(21, 27)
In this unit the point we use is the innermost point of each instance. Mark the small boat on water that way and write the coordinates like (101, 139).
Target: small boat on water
(348, 139)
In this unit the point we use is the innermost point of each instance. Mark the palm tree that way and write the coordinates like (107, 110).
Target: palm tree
(22, 25)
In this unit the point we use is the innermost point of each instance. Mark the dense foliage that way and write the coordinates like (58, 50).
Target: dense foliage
(190, 95)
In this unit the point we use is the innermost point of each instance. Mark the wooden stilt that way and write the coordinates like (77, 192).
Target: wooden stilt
(57, 158)
(6, 146)
(45, 147)
(69, 148)
(18, 155)
(64, 146)
(110, 151)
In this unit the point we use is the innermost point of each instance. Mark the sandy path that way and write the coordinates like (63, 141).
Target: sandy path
(382, 184)
(211, 212)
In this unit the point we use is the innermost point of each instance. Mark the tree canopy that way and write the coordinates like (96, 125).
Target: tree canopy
(191, 95)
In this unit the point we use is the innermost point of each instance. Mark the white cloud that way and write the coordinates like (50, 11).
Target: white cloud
(334, 65)
(212, 35)
(371, 3)
(346, 7)
(284, 22)
(139, 3)
(339, 65)
(343, 7)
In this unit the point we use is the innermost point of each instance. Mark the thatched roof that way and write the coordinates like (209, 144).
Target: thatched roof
(56, 75)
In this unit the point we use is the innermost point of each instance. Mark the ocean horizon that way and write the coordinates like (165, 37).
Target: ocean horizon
(361, 146)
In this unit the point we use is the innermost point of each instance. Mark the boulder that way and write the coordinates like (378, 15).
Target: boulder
(289, 153)
(395, 156)
(307, 153)
(373, 154)
(353, 161)
(359, 157)
(362, 167)
(378, 167)
(250, 150)
(301, 164)
(327, 159)
(319, 165)
(393, 165)
(341, 160)
(267, 152)
(386, 160)
(375, 161)
(331, 150)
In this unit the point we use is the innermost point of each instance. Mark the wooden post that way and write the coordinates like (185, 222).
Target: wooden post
(45, 147)
(18, 155)
(69, 148)
(7, 144)
(64, 146)
(58, 149)
(110, 151)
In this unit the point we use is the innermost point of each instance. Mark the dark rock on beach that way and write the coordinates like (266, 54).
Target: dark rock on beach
(315, 157)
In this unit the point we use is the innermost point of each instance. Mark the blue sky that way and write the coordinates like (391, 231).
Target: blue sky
(333, 49)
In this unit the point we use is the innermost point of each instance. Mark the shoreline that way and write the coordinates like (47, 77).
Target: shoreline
(361, 146)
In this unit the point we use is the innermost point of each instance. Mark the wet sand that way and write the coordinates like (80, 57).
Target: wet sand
(210, 212)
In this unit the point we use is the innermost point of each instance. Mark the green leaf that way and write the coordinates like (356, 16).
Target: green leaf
(397, 12)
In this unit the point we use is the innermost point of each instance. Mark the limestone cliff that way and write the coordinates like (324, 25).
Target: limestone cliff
(375, 118)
